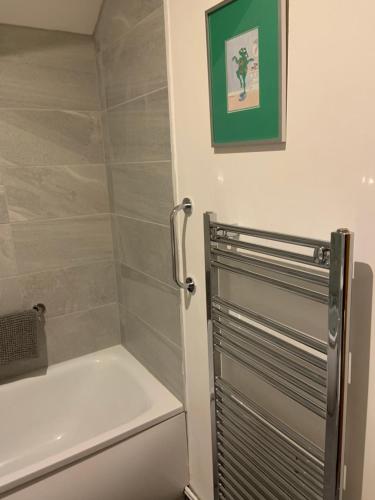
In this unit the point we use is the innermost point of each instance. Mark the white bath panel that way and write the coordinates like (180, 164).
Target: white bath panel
(149, 466)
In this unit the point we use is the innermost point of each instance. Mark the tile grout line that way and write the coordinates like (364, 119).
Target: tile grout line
(147, 275)
(102, 97)
(56, 269)
(51, 110)
(61, 165)
(80, 311)
(5, 194)
(59, 219)
(99, 87)
(144, 221)
(145, 162)
(96, 28)
(138, 98)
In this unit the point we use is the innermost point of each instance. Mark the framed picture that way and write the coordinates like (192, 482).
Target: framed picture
(246, 42)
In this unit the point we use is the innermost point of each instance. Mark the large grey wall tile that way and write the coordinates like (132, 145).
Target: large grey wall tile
(58, 243)
(162, 358)
(81, 333)
(60, 49)
(136, 65)
(10, 295)
(70, 289)
(52, 173)
(118, 17)
(132, 66)
(155, 303)
(144, 246)
(54, 192)
(143, 191)
(8, 265)
(33, 137)
(47, 69)
(4, 216)
(138, 131)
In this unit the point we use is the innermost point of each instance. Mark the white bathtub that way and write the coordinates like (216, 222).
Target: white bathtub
(82, 407)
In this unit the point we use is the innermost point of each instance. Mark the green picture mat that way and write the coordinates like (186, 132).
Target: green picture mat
(252, 125)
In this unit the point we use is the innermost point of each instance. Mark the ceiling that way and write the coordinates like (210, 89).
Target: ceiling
(77, 16)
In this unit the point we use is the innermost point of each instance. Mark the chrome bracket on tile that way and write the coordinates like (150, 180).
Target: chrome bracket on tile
(41, 312)
(40, 309)
(187, 207)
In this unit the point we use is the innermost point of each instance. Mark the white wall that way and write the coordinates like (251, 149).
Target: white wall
(323, 180)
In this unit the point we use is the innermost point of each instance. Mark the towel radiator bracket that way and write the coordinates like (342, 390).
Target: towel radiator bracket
(322, 256)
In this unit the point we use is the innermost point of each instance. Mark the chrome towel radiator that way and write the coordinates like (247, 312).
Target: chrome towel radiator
(258, 454)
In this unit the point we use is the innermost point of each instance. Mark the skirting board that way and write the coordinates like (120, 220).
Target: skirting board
(189, 493)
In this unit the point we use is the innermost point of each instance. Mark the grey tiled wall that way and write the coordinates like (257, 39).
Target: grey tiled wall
(56, 241)
(130, 40)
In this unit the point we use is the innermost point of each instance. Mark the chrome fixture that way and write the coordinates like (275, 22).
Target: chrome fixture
(40, 309)
(256, 453)
(187, 207)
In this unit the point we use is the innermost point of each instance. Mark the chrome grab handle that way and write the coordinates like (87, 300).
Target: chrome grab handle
(187, 207)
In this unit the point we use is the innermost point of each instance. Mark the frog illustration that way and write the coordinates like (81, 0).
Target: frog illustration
(243, 62)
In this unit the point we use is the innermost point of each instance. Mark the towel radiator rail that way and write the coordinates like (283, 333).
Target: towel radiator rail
(256, 455)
